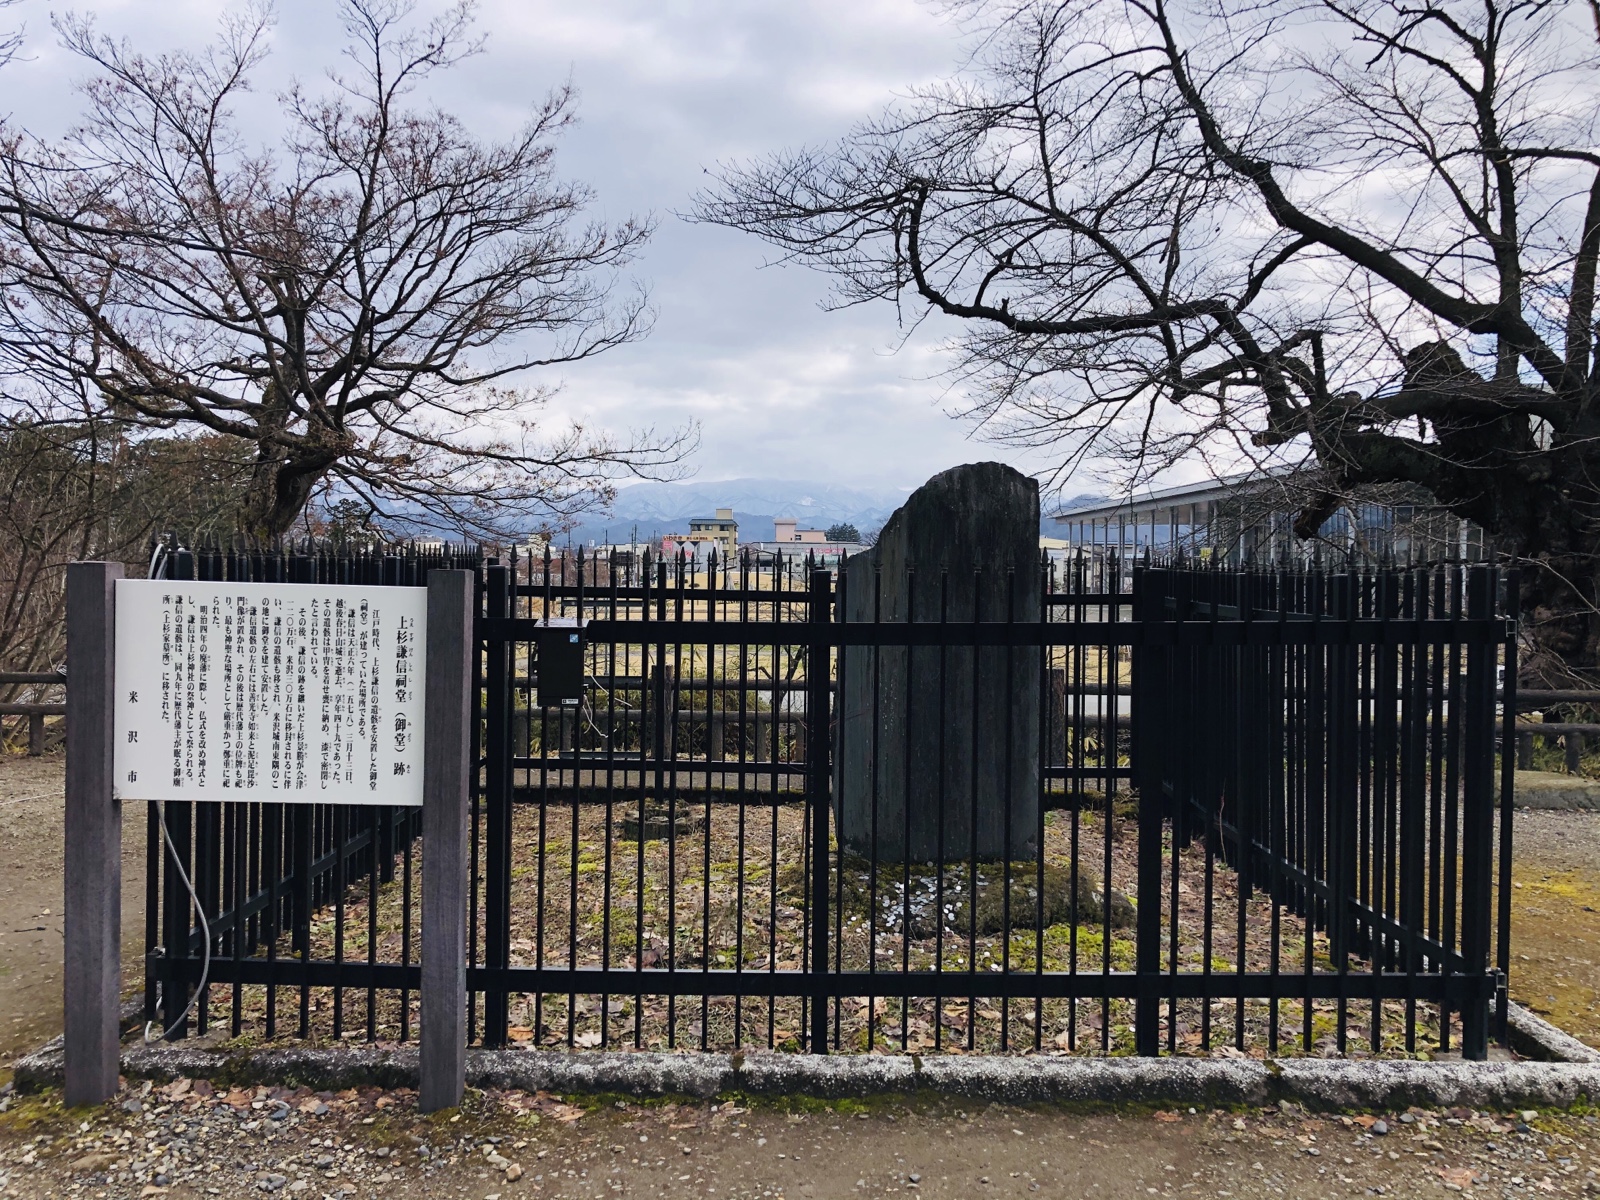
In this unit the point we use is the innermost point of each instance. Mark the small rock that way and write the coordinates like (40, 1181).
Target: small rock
(299, 1185)
(1408, 1118)
(1529, 1115)
(498, 1161)
(1381, 1128)
(513, 1172)
(271, 1182)
(162, 1181)
(132, 1106)
(914, 1177)
(1524, 1127)
(94, 1162)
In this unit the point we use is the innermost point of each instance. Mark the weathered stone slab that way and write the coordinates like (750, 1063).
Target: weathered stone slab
(1551, 789)
(938, 748)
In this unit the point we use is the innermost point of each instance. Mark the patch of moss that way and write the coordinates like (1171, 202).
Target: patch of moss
(1031, 897)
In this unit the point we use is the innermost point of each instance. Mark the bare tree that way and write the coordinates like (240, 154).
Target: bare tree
(86, 489)
(356, 305)
(1360, 231)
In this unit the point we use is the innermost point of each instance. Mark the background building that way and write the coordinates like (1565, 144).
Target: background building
(721, 531)
(787, 530)
(1251, 516)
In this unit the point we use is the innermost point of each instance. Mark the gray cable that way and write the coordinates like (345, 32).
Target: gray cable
(157, 570)
(205, 926)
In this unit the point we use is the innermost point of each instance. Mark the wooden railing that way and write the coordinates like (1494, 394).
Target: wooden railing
(35, 711)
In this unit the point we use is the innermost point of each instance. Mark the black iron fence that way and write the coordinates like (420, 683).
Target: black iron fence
(756, 805)
(276, 881)
(1331, 739)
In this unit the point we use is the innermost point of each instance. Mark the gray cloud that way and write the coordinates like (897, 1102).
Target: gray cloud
(669, 89)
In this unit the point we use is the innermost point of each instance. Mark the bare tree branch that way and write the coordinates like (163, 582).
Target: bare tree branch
(1365, 231)
(355, 304)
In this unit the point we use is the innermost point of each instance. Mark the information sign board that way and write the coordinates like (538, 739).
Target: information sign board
(280, 692)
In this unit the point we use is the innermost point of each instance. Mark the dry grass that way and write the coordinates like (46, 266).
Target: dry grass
(737, 901)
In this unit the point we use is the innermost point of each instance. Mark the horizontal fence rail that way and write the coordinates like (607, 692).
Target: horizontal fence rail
(1069, 807)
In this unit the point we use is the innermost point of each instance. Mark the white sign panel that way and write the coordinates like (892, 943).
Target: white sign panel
(281, 692)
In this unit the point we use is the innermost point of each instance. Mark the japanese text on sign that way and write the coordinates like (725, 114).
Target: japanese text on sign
(304, 693)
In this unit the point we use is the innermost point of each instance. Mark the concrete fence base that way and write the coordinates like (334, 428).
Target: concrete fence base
(1323, 1084)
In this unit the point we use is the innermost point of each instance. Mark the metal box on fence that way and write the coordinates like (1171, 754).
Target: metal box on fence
(561, 646)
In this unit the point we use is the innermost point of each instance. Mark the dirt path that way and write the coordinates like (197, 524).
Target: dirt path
(31, 805)
(1555, 919)
(175, 1142)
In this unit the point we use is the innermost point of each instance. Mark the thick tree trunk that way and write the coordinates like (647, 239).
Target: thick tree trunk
(1540, 513)
(1561, 620)
(278, 493)
(1537, 511)
(1533, 487)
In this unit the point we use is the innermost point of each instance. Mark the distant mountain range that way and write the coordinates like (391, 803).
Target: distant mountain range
(657, 508)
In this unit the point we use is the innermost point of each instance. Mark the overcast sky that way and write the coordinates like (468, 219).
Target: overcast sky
(669, 88)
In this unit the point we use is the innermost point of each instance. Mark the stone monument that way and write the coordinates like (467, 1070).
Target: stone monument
(938, 748)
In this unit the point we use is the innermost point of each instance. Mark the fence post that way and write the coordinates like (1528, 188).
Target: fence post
(1147, 682)
(446, 774)
(93, 868)
(498, 786)
(818, 671)
(1508, 792)
(36, 733)
(1478, 812)
(716, 725)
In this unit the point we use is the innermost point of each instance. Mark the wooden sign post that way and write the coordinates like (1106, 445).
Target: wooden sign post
(446, 839)
(187, 690)
(92, 929)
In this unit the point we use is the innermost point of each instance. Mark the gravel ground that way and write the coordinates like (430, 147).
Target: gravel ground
(177, 1141)
(1566, 840)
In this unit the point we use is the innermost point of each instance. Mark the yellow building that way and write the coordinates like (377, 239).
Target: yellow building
(721, 530)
